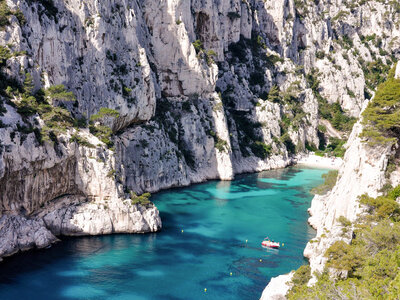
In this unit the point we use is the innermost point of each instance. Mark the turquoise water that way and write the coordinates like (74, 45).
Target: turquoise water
(216, 218)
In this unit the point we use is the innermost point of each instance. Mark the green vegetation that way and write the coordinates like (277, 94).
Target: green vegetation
(340, 16)
(98, 127)
(274, 94)
(260, 149)
(372, 260)
(103, 113)
(346, 42)
(210, 56)
(59, 92)
(374, 72)
(57, 119)
(5, 54)
(322, 128)
(143, 199)
(329, 183)
(249, 136)
(335, 148)
(300, 278)
(332, 112)
(320, 54)
(220, 144)
(381, 117)
(202, 53)
(112, 173)
(6, 13)
(75, 138)
(28, 102)
(344, 221)
(301, 8)
(198, 46)
(8, 86)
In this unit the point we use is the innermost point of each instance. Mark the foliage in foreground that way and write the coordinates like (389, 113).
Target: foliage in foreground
(372, 260)
(381, 118)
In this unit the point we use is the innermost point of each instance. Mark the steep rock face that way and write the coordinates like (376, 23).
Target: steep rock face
(93, 48)
(363, 172)
(62, 189)
(193, 84)
(277, 287)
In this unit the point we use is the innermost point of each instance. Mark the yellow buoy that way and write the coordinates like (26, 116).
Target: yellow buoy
(182, 230)
(246, 241)
(231, 273)
(283, 244)
(260, 260)
(205, 290)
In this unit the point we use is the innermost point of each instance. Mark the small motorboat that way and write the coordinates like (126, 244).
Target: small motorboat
(271, 244)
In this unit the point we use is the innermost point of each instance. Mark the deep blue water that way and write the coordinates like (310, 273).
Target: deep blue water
(216, 218)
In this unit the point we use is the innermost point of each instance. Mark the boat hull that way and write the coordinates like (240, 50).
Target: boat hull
(270, 245)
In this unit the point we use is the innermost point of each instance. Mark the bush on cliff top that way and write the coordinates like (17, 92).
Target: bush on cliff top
(372, 259)
(381, 118)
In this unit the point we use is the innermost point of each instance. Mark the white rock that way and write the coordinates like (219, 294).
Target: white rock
(277, 287)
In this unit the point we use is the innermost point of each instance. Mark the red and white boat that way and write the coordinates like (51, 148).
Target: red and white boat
(271, 244)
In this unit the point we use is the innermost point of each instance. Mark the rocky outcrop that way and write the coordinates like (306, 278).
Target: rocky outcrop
(99, 217)
(397, 73)
(62, 189)
(277, 287)
(19, 234)
(193, 83)
(363, 172)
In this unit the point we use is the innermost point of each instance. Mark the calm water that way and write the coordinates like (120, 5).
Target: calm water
(216, 218)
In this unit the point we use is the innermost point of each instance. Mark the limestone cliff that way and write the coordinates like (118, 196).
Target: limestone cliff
(202, 90)
(367, 168)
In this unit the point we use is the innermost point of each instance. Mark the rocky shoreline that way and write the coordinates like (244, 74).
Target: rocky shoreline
(278, 287)
(194, 90)
(19, 233)
(75, 216)
(105, 212)
(361, 172)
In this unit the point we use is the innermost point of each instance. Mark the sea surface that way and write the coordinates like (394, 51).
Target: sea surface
(209, 247)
